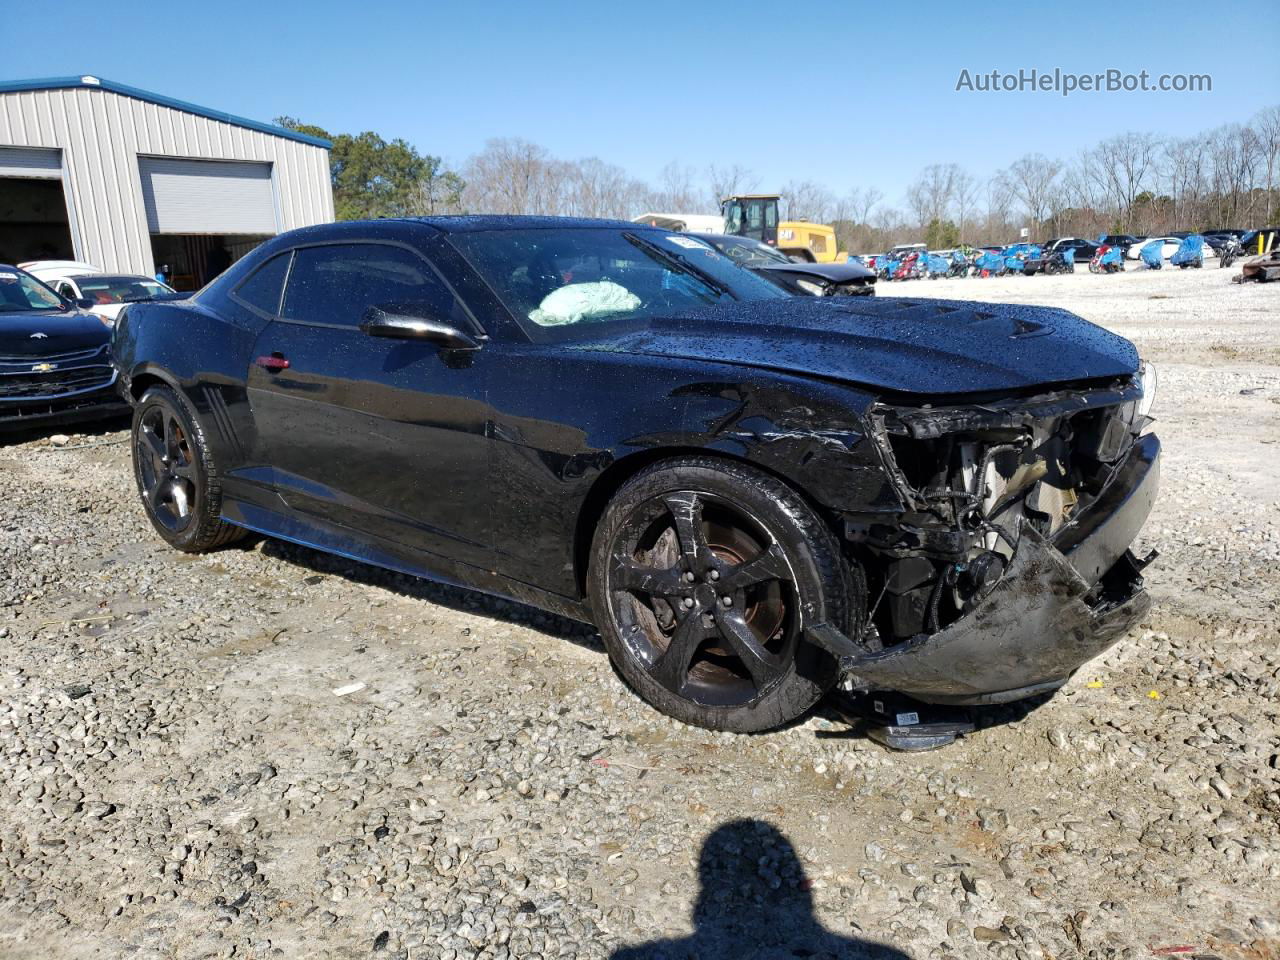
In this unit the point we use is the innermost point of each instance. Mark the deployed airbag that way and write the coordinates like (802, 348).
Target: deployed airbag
(583, 301)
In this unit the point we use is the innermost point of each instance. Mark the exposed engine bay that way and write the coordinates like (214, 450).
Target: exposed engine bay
(974, 477)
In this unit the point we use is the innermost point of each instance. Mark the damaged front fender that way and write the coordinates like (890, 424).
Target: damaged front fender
(1051, 611)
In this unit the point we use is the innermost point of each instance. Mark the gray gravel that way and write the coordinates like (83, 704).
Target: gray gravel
(178, 777)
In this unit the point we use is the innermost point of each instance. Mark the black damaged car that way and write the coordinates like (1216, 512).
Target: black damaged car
(752, 495)
(802, 278)
(54, 362)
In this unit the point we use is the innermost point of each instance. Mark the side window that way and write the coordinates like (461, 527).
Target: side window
(262, 287)
(67, 290)
(338, 283)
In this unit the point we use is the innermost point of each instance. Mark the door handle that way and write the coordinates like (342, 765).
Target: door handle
(273, 363)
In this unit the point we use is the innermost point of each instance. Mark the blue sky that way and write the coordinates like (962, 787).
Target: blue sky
(841, 94)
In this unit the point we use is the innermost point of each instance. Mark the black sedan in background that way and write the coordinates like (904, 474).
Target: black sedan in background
(811, 279)
(54, 363)
(1084, 252)
(752, 495)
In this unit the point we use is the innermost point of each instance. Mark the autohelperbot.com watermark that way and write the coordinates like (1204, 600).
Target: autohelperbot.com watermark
(1066, 83)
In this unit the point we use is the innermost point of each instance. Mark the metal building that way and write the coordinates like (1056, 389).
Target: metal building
(133, 182)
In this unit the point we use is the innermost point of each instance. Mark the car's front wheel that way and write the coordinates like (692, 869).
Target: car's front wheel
(176, 475)
(704, 574)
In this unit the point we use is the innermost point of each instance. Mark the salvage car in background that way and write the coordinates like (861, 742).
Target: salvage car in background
(54, 364)
(752, 495)
(812, 279)
(1170, 245)
(110, 292)
(107, 293)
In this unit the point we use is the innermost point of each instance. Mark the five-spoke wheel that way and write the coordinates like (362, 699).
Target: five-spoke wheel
(703, 594)
(704, 573)
(176, 477)
(165, 467)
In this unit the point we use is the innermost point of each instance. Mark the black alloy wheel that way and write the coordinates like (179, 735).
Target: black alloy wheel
(166, 468)
(704, 575)
(180, 487)
(703, 597)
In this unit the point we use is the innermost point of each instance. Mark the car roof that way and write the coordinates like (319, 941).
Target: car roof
(33, 265)
(110, 276)
(479, 223)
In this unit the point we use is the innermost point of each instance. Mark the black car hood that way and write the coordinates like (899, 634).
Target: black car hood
(931, 347)
(42, 333)
(831, 272)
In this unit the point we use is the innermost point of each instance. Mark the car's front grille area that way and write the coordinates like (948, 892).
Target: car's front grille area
(72, 357)
(55, 383)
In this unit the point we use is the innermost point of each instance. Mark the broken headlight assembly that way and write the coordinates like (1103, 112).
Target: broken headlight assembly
(1146, 380)
(973, 476)
(813, 287)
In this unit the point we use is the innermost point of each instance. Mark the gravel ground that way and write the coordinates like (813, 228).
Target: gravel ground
(268, 752)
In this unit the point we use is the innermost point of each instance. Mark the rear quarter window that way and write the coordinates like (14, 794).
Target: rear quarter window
(262, 288)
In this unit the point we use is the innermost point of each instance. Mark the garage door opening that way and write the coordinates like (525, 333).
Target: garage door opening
(33, 210)
(189, 261)
(204, 215)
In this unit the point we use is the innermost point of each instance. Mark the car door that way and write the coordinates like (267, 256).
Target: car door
(382, 436)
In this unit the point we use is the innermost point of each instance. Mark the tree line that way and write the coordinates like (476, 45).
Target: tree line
(1130, 183)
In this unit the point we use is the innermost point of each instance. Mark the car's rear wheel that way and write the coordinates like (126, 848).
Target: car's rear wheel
(176, 476)
(704, 574)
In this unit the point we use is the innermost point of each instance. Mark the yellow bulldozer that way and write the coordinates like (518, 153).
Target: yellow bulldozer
(755, 215)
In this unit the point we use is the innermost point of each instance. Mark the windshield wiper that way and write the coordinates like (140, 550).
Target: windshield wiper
(679, 264)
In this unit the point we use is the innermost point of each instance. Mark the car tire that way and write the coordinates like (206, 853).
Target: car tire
(177, 479)
(677, 540)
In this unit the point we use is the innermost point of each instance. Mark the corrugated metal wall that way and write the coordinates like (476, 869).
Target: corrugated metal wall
(102, 133)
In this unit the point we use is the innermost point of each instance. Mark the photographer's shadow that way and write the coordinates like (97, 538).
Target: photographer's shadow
(754, 904)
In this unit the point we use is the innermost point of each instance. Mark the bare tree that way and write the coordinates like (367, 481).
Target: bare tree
(1229, 176)
(931, 195)
(729, 180)
(861, 201)
(1031, 180)
(594, 188)
(1125, 164)
(676, 192)
(513, 176)
(1267, 126)
(999, 202)
(438, 193)
(964, 199)
(1184, 169)
(806, 200)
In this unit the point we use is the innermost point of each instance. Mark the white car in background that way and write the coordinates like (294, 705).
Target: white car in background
(107, 292)
(1170, 247)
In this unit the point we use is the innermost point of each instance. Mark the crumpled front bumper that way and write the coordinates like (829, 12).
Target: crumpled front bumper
(1060, 603)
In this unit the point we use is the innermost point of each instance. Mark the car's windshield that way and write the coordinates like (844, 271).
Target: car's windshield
(21, 292)
(747, 252)
(559, 277)
(120, 289)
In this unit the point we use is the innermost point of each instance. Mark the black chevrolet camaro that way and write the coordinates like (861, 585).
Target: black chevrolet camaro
(752, 495)
(54, 363)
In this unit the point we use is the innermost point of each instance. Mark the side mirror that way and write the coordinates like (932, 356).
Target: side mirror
(379, 322)
(84, 303)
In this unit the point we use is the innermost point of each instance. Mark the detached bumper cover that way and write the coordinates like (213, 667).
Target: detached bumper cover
(1060, 603)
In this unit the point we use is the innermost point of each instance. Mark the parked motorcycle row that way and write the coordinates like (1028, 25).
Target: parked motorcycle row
(1028, 259)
